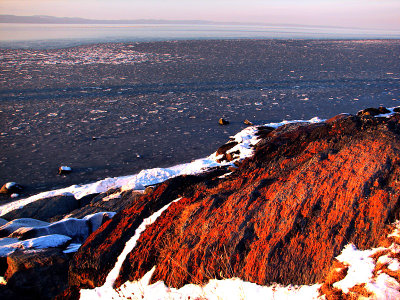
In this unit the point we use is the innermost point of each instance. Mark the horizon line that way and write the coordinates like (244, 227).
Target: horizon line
(46, 19)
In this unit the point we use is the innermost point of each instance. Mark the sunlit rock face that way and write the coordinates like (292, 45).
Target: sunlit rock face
(282, 216)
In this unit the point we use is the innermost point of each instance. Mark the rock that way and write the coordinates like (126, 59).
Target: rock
(77, 229)
(98, 205)
(149, 189)
(396, 109)
(307, 188)
(37, 274)
(100, 250)
(222, 121)
(64, 170)
(223, 150)
(247, 122)
(269, 221)
(85, 200)
(11, 188)
(3, 222)
(373, 111)
(45, 209)
(338, 118)
(8, 228)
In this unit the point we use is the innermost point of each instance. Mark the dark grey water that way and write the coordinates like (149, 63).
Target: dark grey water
(67, 35)
(115, 109)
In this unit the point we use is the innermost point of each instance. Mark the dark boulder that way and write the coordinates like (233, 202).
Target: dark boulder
(371, 111)
(64, 170)
(45, 209)
(222, 121)
(39, 274)
(11, 188)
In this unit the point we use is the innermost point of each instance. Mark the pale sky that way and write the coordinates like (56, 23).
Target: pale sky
(380, 14)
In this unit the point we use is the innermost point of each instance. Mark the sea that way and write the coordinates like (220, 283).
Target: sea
(67, 35)
(112, 100)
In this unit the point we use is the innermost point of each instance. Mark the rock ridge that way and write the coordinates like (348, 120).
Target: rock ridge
(281, 216)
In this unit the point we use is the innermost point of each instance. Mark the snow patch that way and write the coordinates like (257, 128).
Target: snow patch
(215, 289)
(47, 241)
(360, 265)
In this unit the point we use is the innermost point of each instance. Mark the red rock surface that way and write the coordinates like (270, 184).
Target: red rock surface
(98, 255)
(282, 216)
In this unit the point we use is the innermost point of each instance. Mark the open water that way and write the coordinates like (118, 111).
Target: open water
(113, 109)
(66, 35)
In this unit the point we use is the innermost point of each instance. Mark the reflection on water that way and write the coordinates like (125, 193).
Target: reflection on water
(64, 35)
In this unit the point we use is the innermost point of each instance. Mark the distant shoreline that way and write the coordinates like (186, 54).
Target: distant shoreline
(42, 19)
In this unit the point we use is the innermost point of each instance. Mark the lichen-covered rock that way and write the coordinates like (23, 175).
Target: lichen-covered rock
(99, 253)
(282, 216)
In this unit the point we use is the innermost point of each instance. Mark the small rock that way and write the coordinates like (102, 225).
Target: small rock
(10, 188)
(223, 122)
(63, 170)
(149, 189)
(15, 195)
(372, 111)
(247, 122)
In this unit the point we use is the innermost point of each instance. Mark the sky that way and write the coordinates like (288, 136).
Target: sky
(379, 14)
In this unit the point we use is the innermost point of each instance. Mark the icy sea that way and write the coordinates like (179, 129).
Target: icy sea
(114, 109)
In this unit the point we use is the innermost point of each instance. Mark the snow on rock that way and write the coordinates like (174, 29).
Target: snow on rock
(77, 229)
(215, 289)
(360, 265)
(10, 187)
(48, 241)
(97, 219)
(64, 170)
(376, 270)
(72, 248)
(7, 241)
(14, 225)
(38, 234)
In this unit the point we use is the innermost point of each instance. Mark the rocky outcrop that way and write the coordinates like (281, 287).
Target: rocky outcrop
(40, 274)
(282, 216)
(112, 200)
(45, 209)
(99, 253)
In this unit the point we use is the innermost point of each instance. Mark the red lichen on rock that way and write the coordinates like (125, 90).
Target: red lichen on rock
(282, 216)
